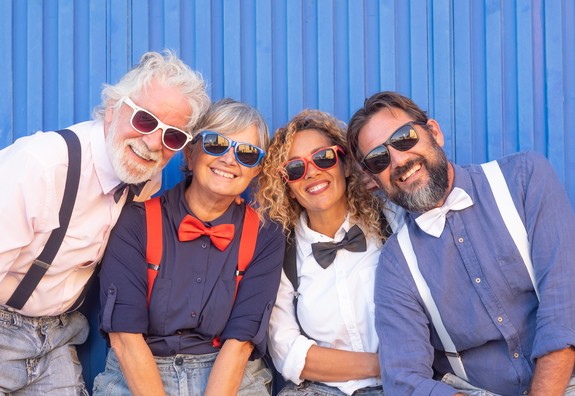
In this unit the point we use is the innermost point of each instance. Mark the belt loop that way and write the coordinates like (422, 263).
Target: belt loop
(14, 316)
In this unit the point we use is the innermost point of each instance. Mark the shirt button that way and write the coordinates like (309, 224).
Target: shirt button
(179, 332)
(477, 280)
(204, 245)
(194, 314)
(111, 291)
(460, 240)
(516, 355)
(198, 280)
(500, 319)
(525, 392)
(179, 361)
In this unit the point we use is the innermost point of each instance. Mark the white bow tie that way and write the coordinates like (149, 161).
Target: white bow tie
(433, 221)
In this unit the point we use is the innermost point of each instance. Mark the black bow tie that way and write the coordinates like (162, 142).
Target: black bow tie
(133, 190)
(325, 252)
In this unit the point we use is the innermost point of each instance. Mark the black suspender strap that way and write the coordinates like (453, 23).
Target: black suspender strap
(42, 263)
(290, 269)
(289, 265)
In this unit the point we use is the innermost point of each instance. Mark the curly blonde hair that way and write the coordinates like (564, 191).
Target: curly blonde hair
(273, 192)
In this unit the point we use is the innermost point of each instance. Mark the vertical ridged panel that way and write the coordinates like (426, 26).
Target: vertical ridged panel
(498, 75)
(6, 71)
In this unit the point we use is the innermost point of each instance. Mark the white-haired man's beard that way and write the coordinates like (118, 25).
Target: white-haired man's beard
(427, 196)
(128, 169)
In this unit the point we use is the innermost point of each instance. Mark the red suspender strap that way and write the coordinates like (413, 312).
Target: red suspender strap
(246, 252)
(247, 243)
(153, 241)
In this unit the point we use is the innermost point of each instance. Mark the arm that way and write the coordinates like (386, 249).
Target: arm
(137, 363)
(228, 371)
(30, 203)
(335, 365)
(550, 222)
(552, 373)
(298, 358)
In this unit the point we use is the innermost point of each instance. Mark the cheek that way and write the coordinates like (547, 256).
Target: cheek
(382, 180)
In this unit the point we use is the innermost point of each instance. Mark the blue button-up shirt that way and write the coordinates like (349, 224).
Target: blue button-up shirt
(481, 287)
(192, 300)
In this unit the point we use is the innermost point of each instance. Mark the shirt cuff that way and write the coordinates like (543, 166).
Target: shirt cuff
(295, 360)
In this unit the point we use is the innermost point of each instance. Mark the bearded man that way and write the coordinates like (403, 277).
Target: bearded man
(474, 292)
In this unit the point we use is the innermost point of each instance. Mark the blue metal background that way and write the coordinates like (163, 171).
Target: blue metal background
(498, 75)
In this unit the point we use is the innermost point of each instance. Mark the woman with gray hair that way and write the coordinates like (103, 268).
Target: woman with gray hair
(194, 331)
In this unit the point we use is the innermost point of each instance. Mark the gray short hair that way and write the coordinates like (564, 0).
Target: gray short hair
(166, 68)
(228, 116)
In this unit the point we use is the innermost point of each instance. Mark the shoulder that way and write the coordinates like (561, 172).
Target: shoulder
(42, 147)
(527, 160)
(270, 229)
(270, 236)
(132, 219)
(526, 170)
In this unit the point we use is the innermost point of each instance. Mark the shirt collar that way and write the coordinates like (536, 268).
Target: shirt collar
(461, 179)
(178, 205)
(306, 236)
(104, 169)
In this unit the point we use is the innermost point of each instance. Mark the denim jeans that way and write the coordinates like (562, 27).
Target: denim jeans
(38, 355)
(183, 375)
(470, 390)
(308, 388)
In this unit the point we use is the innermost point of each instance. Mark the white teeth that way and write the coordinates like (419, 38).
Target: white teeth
(223, 174)
(317, 187)
(144, 154)
(411, 172)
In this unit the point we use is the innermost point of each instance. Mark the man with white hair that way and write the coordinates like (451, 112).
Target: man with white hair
(72, 185)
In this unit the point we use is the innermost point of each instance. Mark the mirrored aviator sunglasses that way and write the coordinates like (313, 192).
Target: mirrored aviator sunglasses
(323, 159)
(217, 145)
(404, 138)
(146, 123)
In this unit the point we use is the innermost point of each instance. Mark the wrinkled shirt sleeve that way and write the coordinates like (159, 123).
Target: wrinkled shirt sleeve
(257, 291)
(550, 225)
(288, 347)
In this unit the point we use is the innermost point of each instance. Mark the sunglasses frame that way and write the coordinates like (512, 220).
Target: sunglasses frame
(337, 149)
(389, 142)
(161, 125)
(232, 144)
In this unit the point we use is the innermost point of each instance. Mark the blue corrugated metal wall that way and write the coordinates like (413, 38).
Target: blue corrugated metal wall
(499, 75)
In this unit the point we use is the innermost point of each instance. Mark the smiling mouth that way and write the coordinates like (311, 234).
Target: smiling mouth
(223, 174)
(144, 155)
(411, 171)
(317, 187)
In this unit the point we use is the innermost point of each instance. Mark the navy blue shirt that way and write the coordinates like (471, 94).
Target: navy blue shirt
(193, 296)
(481, 287)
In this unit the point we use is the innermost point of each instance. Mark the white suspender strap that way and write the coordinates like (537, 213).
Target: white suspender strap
(510, 216)
(425, 293)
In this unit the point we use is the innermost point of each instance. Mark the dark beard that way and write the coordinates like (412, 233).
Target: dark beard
(428, 196)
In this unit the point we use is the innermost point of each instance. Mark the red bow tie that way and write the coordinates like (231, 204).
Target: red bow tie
(220, 235)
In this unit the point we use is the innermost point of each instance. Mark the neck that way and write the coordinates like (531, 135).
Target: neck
(206, 207)
(327, 222)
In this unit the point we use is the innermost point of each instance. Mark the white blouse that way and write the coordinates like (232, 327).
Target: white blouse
(335, 306)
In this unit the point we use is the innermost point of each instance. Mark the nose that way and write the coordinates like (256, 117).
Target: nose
(154, 140)
(312, 170)
(229, 157)
(397, 157)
